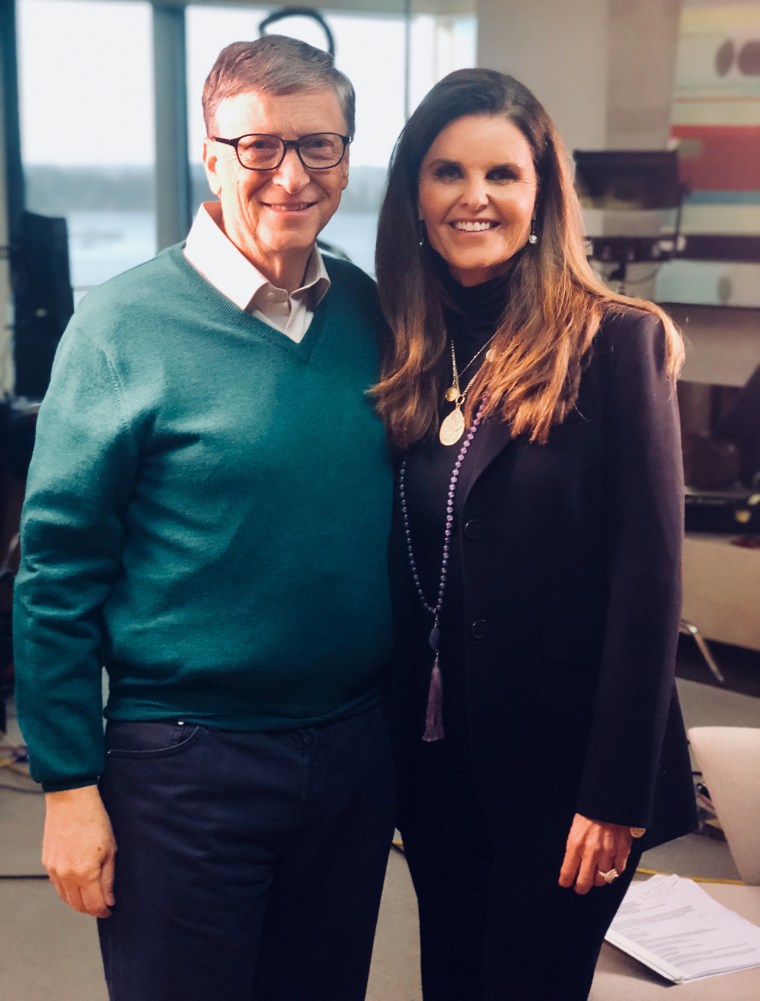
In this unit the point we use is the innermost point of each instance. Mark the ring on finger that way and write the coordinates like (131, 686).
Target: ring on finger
(610, 876)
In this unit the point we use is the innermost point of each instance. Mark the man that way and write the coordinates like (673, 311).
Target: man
(206, 515)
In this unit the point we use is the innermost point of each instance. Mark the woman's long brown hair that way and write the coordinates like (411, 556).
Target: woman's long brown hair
(555, 300)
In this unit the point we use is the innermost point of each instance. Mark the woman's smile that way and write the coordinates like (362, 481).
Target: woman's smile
(479, 226)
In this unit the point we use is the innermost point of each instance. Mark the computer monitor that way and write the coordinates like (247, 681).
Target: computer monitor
(628, 179)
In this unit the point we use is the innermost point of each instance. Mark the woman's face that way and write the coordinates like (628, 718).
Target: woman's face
(477, 195)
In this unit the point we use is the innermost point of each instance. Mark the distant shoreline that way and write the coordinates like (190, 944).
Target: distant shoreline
(60, 191)
(105, 243)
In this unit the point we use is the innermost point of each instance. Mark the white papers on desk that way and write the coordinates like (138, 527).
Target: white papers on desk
(672, 926)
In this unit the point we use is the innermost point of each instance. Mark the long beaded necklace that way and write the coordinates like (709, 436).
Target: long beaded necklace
(434, 711)
(452, 426)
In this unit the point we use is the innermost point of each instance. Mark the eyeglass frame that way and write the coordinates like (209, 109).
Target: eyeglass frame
(286, 145)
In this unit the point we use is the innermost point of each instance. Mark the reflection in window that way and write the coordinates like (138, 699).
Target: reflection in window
(87, 128)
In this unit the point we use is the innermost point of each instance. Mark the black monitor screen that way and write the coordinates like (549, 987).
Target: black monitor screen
(627, 179)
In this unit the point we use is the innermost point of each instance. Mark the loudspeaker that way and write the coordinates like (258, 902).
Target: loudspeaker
(43, 300)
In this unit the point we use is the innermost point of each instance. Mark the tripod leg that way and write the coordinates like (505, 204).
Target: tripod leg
(704, 649)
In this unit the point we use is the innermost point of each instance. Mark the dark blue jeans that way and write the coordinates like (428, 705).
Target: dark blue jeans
(249, 865)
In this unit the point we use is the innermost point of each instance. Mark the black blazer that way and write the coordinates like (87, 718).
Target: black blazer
(570, 555)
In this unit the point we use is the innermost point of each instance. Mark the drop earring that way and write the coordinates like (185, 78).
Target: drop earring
(421, 232)
(533, 238)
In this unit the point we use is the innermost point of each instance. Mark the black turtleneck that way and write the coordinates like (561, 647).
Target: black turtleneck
(478, 309)
(471, 319)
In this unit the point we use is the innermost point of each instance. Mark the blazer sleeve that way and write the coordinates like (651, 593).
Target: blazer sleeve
(644, 496)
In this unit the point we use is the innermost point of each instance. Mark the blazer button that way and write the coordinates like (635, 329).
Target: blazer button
(479, 629)
(472, 528)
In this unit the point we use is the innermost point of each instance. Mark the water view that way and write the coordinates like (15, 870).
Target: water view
(103, 244)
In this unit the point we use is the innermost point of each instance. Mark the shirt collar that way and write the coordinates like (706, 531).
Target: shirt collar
(215, 256)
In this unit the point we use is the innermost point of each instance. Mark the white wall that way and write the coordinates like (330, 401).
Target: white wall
(642, 38)
(558, 48)
(602, 68)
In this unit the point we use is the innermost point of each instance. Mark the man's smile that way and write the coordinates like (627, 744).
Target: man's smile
(289, 206)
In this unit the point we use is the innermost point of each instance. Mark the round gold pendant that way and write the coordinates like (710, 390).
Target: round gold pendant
(451, 394)
(452, 428)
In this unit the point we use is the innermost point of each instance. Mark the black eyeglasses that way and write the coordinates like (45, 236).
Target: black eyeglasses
(317, 151)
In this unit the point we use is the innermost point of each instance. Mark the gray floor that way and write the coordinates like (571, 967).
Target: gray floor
(50, 954)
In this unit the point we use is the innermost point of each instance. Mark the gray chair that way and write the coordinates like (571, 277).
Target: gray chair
(729, 757)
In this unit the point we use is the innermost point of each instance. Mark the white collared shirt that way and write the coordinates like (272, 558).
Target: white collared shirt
(215, 256)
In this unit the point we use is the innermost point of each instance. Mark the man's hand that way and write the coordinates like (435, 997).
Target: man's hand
(592, 848)
(78, 850)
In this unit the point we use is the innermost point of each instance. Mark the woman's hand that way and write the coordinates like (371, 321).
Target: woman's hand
(592, 848)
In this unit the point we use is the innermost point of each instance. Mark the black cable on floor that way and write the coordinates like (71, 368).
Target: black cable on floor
(33, 875)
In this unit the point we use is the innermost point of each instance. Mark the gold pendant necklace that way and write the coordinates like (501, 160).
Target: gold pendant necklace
(453, 425)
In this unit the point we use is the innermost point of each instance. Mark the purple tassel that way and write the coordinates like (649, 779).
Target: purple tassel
(434, 714)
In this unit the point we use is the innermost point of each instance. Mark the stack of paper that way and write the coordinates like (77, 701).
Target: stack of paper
(674, 927)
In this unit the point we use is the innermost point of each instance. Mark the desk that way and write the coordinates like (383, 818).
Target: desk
(721, 585)
(621, 978)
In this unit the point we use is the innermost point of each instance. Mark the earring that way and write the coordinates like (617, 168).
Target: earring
(421, 232)
(533, 238)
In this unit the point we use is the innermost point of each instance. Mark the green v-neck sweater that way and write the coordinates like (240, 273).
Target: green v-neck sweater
(207, 516)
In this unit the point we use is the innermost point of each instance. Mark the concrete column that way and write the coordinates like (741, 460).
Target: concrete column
(172, 169)
(11, 186)
(560, 50)
(643, 37)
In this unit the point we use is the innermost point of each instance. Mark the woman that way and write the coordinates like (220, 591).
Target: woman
(535, 557)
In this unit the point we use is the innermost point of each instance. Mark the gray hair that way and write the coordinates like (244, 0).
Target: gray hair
(275, 64)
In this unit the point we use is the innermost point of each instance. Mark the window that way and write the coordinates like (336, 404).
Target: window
(87, 129)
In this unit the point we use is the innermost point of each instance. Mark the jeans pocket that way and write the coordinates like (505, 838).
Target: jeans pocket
(149, 740)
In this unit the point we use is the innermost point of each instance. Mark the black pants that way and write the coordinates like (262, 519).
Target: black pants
(494, 923)
(249, 865)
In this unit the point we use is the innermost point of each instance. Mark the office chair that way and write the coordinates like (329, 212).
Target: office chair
(729, 757)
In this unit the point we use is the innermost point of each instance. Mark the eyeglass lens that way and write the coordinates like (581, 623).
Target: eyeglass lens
(322, 149)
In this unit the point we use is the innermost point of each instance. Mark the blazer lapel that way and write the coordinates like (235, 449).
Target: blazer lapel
(491, 438)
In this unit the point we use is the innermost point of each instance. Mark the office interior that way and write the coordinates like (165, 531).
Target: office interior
(675, 78)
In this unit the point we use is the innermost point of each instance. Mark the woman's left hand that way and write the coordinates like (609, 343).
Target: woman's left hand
(593, 848)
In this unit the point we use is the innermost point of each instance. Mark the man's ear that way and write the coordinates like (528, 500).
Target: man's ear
(210, 164)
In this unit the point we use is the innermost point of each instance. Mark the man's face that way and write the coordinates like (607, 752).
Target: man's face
(274, 216)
